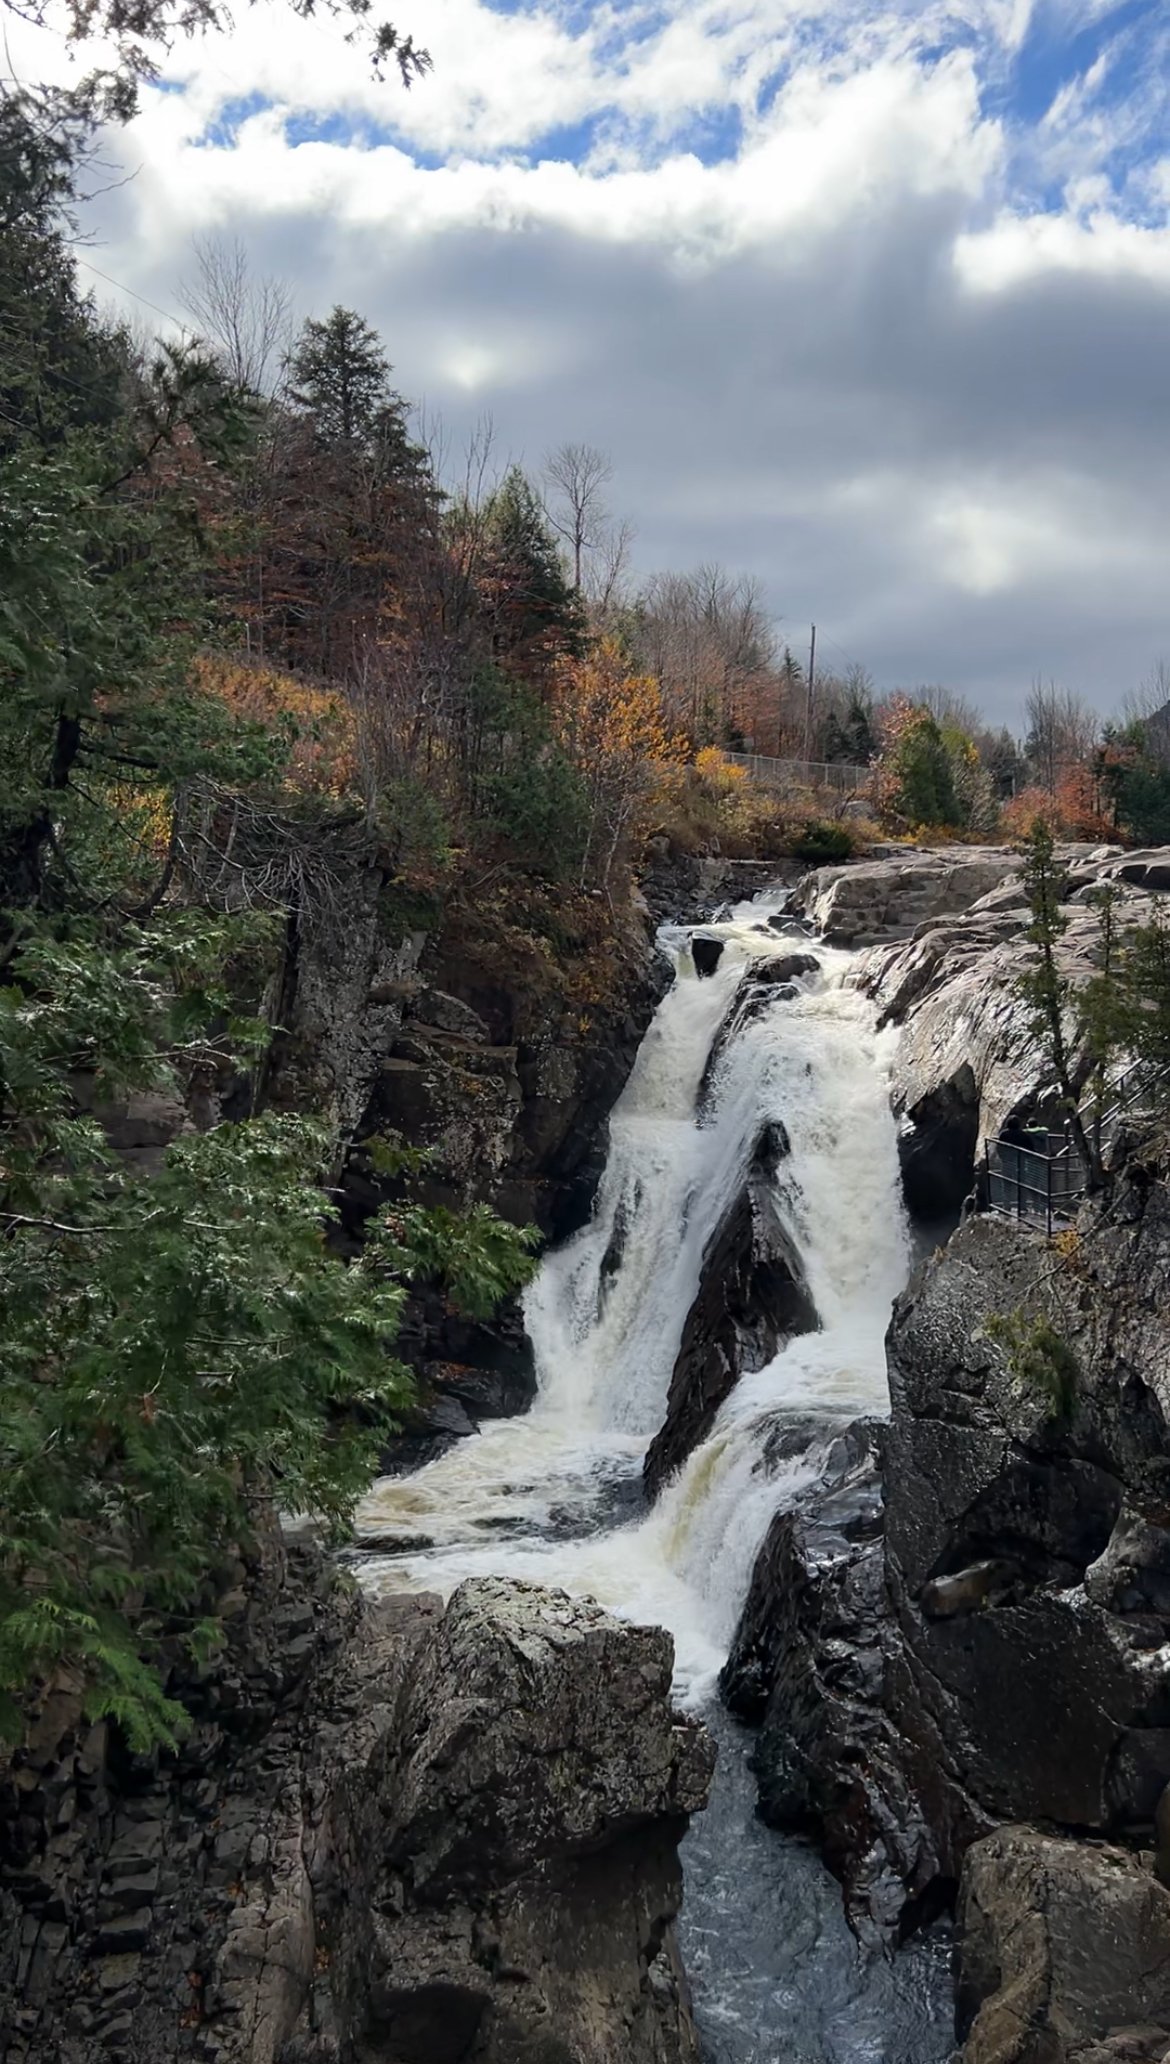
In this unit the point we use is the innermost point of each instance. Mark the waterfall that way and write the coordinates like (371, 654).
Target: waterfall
(556, 1495)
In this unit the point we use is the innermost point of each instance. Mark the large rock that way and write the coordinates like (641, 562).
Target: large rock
(1005, 1655)
(1028, 1683)
(752, 1296)
(1064, 1954)
(860, 903)
(395, 1835)
(968, 1058)
(807, 1667)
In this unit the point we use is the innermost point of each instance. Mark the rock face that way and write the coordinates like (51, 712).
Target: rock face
(1026, 1529)
(488, 1067)
(967, 1058)
(395, 1835)
(864, 902)
(1004, 1654)
(1064, 1954)
(807, 1667)
(752, 1296)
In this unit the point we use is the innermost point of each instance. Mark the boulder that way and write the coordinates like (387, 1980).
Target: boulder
(447, 1014)
(1063, 1955)
(531, 1797)
(706, 953)
(807, 1667)
(860, 903)
(752, 1296)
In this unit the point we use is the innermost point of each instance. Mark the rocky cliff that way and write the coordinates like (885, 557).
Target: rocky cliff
(394, 1835)
(963, 1633)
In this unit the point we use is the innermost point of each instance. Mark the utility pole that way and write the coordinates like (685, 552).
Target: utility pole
(808, 699)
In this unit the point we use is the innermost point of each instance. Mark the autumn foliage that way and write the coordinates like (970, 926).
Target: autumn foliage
(318, 723)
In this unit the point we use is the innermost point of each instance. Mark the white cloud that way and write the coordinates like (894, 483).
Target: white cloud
(885, 349)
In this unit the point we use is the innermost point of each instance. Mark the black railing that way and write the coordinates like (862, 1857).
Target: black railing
(1042, 1183)
(1039, 1175)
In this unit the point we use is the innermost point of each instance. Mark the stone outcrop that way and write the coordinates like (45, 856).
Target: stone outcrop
(1064, 1954)
(1004, 1653)
(864, 902)
(967, 1059)
(807, 1667)
(752, 1296)
(394, 1834)
(1026, 1507)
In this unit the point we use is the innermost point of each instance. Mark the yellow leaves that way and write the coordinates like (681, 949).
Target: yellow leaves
(722, 774)
(605, 712)
(321, 759)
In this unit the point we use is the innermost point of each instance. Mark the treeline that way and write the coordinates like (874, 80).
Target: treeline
(936, 765)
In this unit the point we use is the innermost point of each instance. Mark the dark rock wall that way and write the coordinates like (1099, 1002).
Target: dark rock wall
(751, 1297)
(392, 1836)
(1001, 1654)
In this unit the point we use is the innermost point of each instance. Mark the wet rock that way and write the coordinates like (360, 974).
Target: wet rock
(752, 1296)
(1064, 1954)
(807, 1666)
(706, 953)
(998, 1652)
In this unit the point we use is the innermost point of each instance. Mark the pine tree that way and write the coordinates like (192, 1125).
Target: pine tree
(341, 376)
(181, 1352)
(535, 614)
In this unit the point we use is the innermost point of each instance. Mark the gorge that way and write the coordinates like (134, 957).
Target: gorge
(920, 1614)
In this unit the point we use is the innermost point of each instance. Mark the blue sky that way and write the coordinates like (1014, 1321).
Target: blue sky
(872, 302)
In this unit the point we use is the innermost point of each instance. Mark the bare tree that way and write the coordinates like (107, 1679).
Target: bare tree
(605, 581)
(576, 477)
(708, 638)
(1062, 731)
(1151, 696)
(246, 320)
(949, 708)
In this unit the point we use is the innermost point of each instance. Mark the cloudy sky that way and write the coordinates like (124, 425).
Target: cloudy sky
(870, 301)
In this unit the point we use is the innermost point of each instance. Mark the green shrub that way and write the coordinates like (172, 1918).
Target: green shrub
(822, 842)
(178, 1352)
(1038, 1356)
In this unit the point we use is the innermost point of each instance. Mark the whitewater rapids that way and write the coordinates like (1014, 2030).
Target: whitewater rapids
(539, 1496)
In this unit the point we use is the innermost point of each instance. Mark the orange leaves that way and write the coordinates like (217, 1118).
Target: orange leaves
(1075, 810)
(320, 724)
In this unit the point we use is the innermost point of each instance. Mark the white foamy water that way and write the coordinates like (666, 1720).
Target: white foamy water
(556, 1495)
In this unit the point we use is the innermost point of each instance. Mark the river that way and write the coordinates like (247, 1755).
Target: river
(556, 1496)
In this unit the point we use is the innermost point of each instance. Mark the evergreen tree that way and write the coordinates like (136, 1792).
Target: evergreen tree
(852, 738)
(921, 775)
(341, 377)
(535, 614)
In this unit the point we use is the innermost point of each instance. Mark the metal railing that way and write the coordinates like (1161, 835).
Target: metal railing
(1038, 1183)
(841, 775)
(1045, 1181)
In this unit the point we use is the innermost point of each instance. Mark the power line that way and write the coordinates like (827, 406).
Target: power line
(123, 289)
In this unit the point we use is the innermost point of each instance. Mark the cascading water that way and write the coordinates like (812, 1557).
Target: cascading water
(556, 1496)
